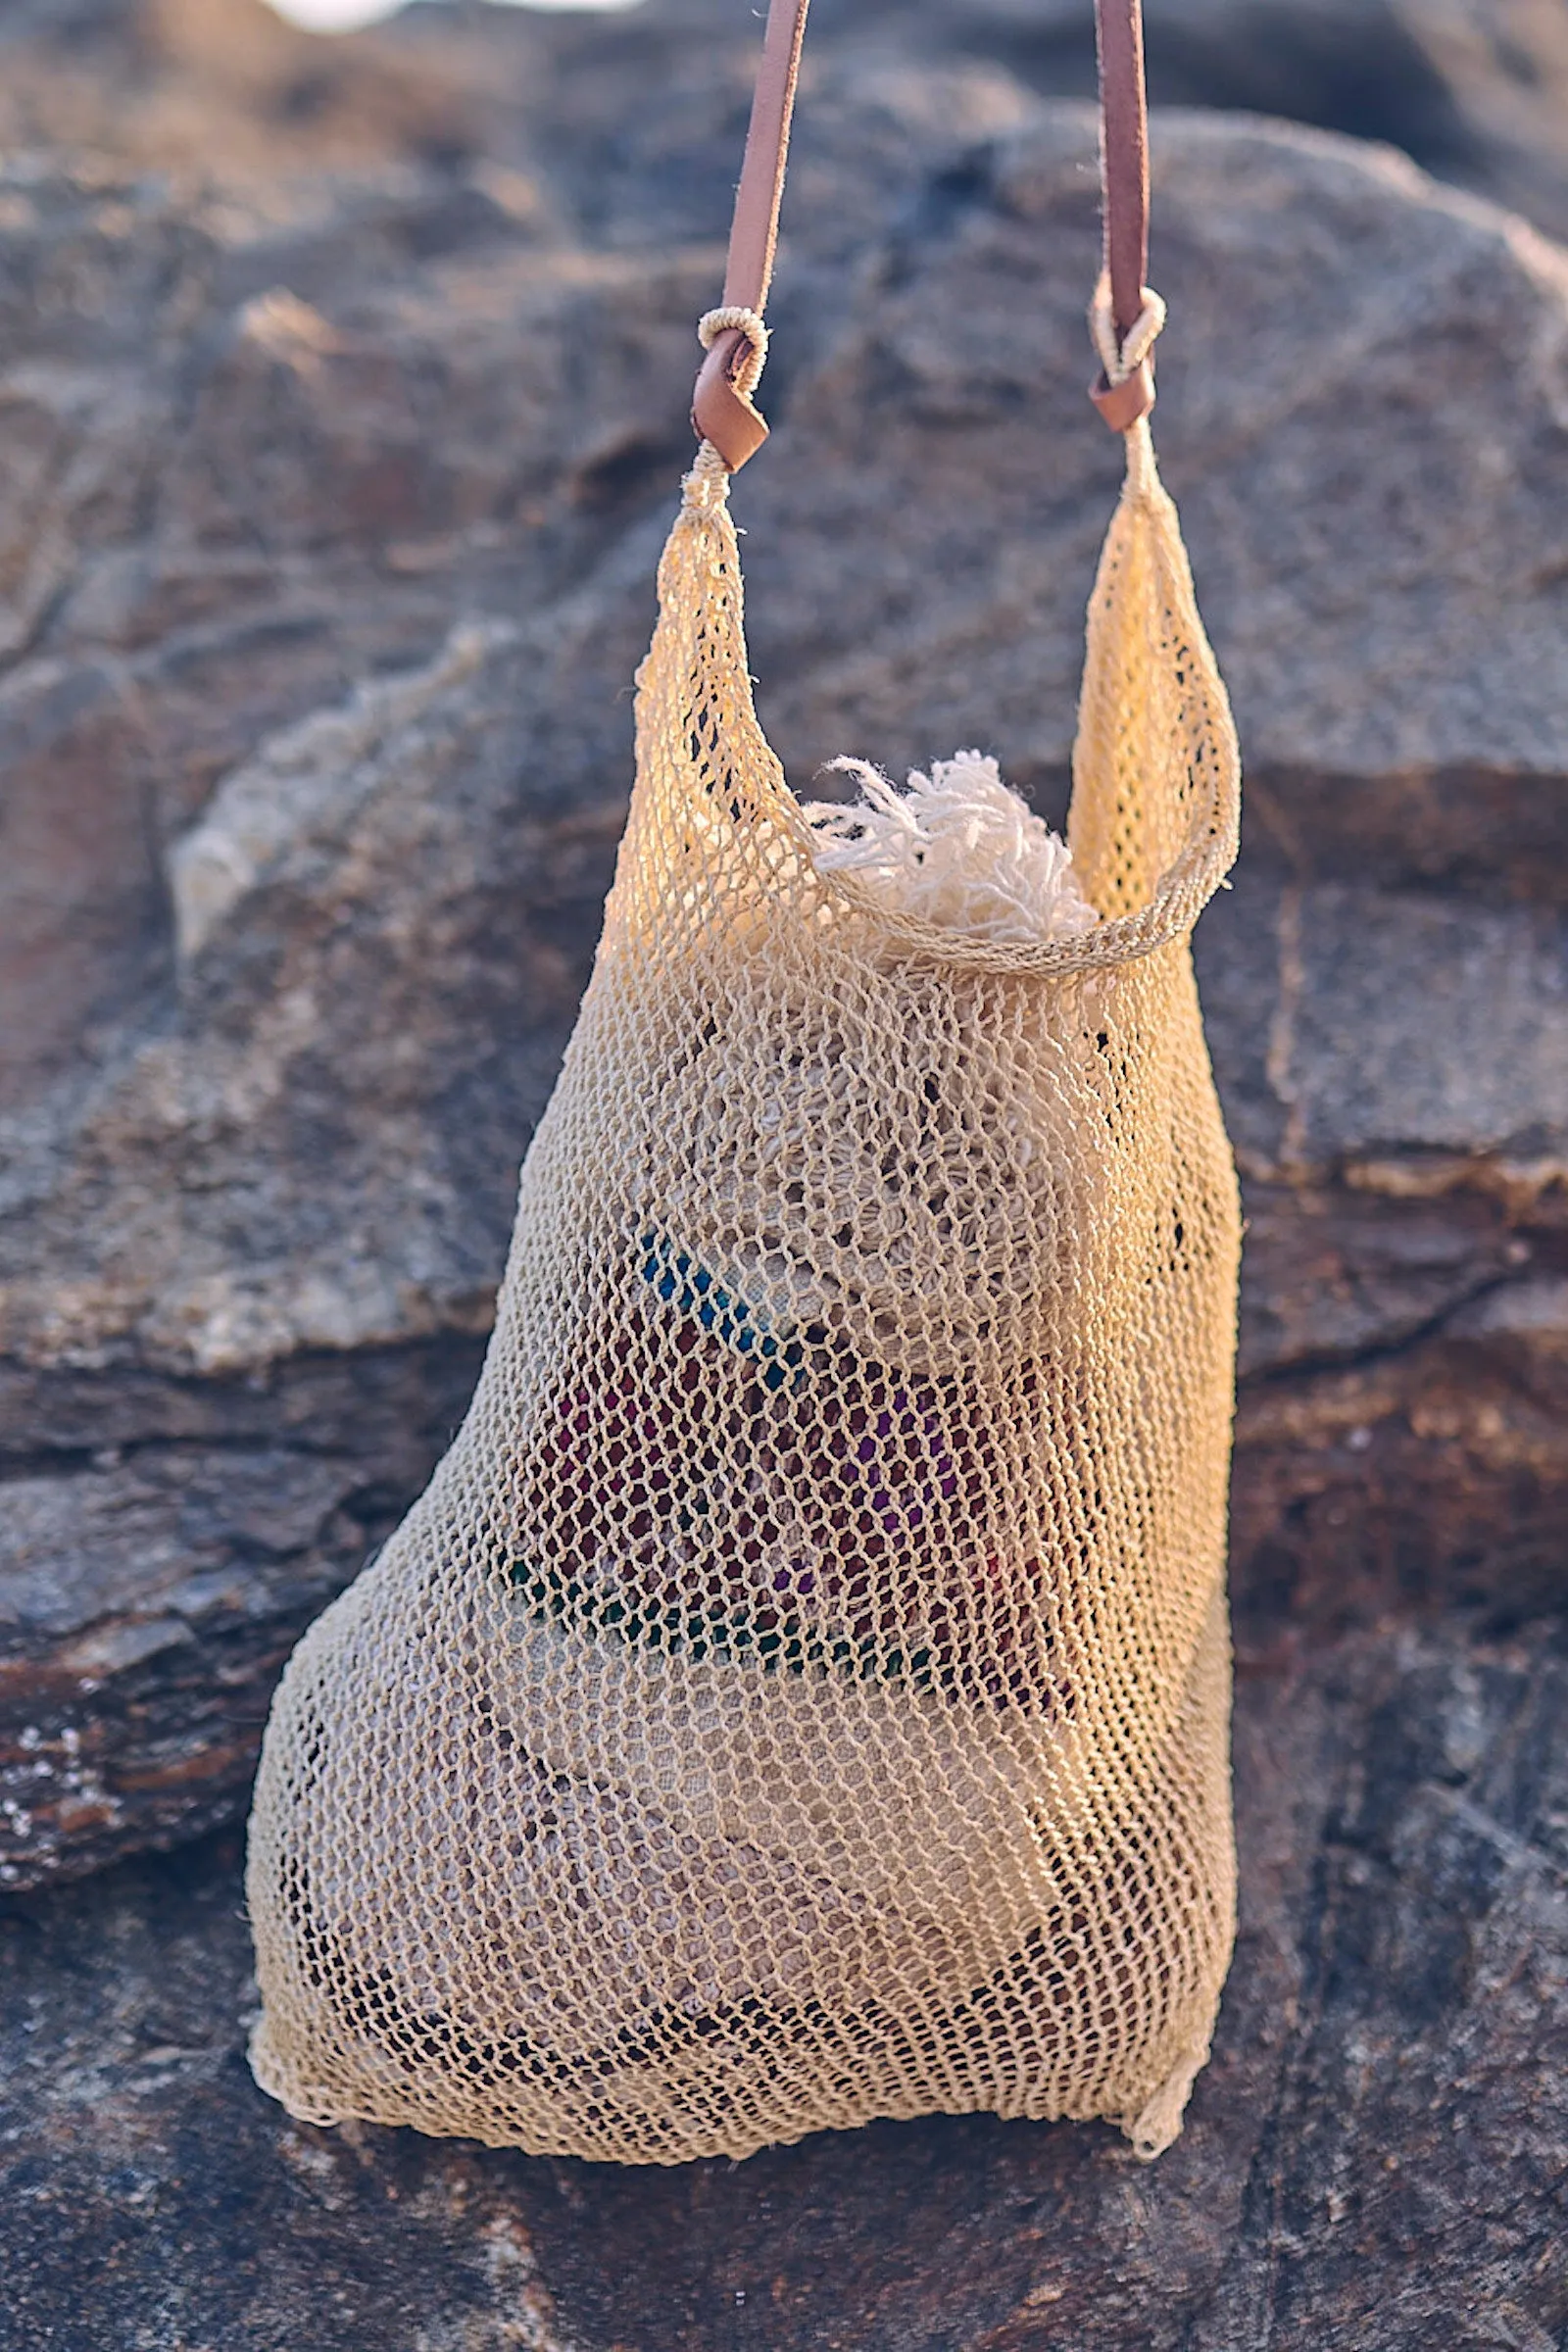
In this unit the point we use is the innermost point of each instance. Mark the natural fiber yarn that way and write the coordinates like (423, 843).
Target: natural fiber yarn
(802, 1694)
(958, 849)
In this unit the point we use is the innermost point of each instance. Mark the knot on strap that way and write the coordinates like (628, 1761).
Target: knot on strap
(1125, 391)
(735, 340)
(1121, 356)
(734, 317)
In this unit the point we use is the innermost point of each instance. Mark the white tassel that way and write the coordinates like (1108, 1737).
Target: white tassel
(959, 849)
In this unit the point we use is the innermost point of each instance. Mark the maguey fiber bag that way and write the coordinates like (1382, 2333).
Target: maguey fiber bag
(802, 1695)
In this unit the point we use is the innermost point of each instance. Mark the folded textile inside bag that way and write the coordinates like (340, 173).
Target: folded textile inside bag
(957, 847)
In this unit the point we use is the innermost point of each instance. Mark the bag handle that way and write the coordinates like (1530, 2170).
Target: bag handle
(734, 335)
(1125, 316)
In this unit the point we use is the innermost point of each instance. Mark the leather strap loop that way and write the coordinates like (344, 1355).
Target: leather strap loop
(1123, 396)
(724, 411)
(1122, 405)
(722, 408)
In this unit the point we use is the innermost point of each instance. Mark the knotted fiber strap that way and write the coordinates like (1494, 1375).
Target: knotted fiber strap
(802, 1695)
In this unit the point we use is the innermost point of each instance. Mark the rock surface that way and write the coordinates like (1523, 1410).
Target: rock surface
(1373, 2161)
(1476, 90)
(326, 541)
(345, 393)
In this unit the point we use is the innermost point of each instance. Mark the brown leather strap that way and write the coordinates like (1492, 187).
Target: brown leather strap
(1124, 171)
(722, 413)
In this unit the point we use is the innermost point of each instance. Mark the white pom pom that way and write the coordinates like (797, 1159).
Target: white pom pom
(959, 849)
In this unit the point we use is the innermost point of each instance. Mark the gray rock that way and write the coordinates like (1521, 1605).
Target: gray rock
(334, 479)
(1366, 453)
(151, 1591)
(332, 566)
(1373, 2160)
(1475, 90)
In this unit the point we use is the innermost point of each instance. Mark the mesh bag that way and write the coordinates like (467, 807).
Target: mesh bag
(802, 1695)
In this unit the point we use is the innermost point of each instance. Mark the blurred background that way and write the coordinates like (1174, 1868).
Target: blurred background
(344, 380)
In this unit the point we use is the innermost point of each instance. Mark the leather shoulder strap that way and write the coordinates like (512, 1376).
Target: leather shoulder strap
(1124, 155)
(1125, 390)
(754, 232)
(722, 408)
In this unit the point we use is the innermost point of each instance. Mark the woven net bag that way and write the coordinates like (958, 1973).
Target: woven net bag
(802, 1695)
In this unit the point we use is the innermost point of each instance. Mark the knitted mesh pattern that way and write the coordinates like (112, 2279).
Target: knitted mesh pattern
(802, 1694)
